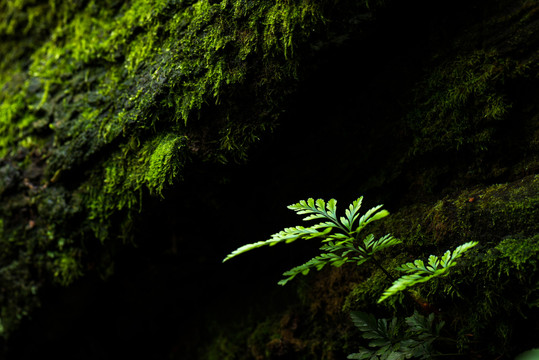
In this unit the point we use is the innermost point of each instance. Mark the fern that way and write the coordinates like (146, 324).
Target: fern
(418, 271)
(287, 235)
(390, 340)
(339, 235)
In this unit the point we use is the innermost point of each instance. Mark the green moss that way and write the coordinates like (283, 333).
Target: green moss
(461, 102)
(364, 295)
(103, 105)
(500, 288)
(521, 252)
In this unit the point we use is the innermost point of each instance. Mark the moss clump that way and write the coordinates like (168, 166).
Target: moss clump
(499, 290)
(462, 103)
(521, 252)
(472, 112)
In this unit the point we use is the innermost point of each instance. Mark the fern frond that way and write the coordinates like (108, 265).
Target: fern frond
(372, 246)
(390, 340)
(340, 246)
(287, 235)
(422, 325)
(370, 216)
(351, 214)
(382, 334)
(318, 210)
(317, 262)
(418, 272)
(461, 249)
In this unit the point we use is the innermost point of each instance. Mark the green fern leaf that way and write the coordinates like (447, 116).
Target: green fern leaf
(318, 210)
(370, 216)
(287, 235)
(351, 214)
(417, 272)
(461, 249)
(339, 247)
(367, 324)
(317, 262)
(425, 327)
(433, 263)
(383, 334)
(384, 242)
(390, 340)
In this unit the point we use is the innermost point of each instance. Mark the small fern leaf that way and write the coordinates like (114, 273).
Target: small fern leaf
(433, 263)
(368, 241)
(384, 242)
(317, 262)
(366, 323)
(404, 282)
(370, 246)
(321, 205)
(340, 247)
(370, 216)
(383, 334)
(365, 354)
(332, 209)
(287, 235)
(304, 207)
(446, 258)
(313, 217)
(352, 213)
(318, 210)
(419, 273)
(460, 250)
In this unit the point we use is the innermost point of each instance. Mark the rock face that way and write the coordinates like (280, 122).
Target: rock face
(141, 141)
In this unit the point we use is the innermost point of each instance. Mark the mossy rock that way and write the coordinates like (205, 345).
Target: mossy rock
(495, 286)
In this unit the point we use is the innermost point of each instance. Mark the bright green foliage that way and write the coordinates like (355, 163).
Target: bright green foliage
(418, 272)
(388, 340)
(340, 235)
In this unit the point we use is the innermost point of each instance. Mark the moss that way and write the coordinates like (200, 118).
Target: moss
(502, 284)
(463, 103)
(468, 111)
(521, 252)
(104, 104)
(365, 294)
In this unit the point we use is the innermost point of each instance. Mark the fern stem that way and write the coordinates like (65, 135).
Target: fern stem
(387, 274)
(406, 292)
